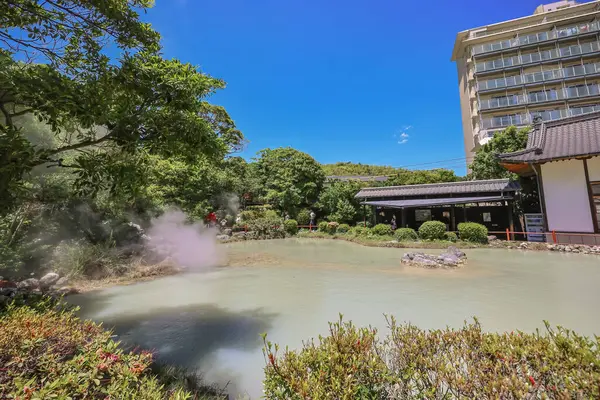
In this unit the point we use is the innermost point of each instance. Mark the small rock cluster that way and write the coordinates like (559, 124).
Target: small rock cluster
(574, 248)
(51, 284)
(452, 258)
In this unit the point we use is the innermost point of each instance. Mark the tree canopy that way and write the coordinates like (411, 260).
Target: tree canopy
(105, 111)
(290, 179)
(485, 164)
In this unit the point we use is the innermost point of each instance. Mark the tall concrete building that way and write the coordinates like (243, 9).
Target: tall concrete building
(546, 64)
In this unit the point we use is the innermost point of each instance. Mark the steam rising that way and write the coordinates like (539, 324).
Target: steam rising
(188, 245)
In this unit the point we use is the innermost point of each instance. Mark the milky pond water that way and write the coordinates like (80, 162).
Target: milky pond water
(212, 320)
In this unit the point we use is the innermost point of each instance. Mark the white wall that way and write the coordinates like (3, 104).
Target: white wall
(594, 169)
(566, 196)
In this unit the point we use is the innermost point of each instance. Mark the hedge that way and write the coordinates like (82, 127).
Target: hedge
(411, 363)
(406, 235)
(291, 226)
(343, 228)
(382, 230)
(450, 236)
(432, 230)
(323, 226)
(473, 232)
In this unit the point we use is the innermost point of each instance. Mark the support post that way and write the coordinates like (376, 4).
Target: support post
(507, 235)
(554, 237)
(510, 219)
(452, 218)
(403, 218)
(365, 215)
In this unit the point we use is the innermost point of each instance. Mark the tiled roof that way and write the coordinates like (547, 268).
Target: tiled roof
(565, 138)
(362, 178)
(434, 202)
(492, 185)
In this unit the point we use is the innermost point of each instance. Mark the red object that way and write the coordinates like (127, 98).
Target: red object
(531, 380)
(507, 234)
(554, 237)
(7, 284)
(211, 217)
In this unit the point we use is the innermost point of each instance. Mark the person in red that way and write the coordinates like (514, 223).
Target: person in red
(211, 218)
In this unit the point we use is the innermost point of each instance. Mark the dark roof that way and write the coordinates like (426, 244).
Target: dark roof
(362, 178)
(565, 138)
(412, 203)
(491, 185)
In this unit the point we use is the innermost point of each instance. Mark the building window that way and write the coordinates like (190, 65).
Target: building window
(422, 215)
(596, 195)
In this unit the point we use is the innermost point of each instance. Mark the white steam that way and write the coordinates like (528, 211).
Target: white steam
(188, 245)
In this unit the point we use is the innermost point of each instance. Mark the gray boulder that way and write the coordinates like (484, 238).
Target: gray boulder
(29, 284)
(49, 279)
(456, 251)
(62, 282)
(227, 232)
(223, 238)
(64, 291)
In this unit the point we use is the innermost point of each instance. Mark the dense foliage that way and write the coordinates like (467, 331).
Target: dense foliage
(473, 232)
(411, 363)
(450, 236)
(485, 164)
(343, 228)
(432, 230)
(406, 234)
(382, 230)
(47, 352)
(291, 227)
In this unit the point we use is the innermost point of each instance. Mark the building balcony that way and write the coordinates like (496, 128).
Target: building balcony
(540, 97)
(526, 119)
(539, 77)
(538, 57)
(536, 38)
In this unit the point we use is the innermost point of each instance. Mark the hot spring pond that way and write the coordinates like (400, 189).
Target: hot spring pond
(212, 320)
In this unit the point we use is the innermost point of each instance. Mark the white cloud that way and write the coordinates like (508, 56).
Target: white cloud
(402, 141)
(403, 135)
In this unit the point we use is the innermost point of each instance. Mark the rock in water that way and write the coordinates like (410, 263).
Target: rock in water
(452, 258)
(49, 279)
(62, 282)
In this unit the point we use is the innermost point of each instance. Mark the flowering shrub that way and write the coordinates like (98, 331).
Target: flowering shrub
(406, 235)
(266, 228)
(303, 217)
(52, 354)
(332, 227)
(473, 232)
(382, 230)
(343, 228)
(412, 363)
(432, 230)
(291, 227)
(450, 236)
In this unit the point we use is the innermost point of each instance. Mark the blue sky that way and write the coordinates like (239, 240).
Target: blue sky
(367, 81)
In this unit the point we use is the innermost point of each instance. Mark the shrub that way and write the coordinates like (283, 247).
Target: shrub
(323, 226)
(291, 226)
(406, 235)
(464, 363)
(303, 217)
(450, 236)
(78, 258)
(473, 232)
(47, 352)
(343, 228)
(343, 365)
(266, 228)
(382, 230)
(332, 227)
(432, 230)
(360, 230)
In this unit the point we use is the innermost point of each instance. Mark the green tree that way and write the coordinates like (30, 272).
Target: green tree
(290, 179)
(337, 201)
(416, 177)
(106, 111)
(485, 164)
(348, 169)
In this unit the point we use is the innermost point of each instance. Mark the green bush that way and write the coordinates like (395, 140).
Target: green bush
(344, 365)
(323, 226)
(303, 217)
(382, 230)
(432, 230)
(411, 363)
(360, 230)
(473, 232)
(343, 228)
(332, 227)
(266, 228)
(291, 227)
(50, 353)
(450, 236)
(406, 235)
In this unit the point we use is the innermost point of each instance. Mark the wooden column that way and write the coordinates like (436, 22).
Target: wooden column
(452, 218)
(403, 218)
(465, 213)
(511, 224)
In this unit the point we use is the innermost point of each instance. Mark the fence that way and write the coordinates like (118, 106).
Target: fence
(553, 237)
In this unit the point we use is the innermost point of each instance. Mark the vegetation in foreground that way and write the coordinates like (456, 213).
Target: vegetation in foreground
(47, 352)
(411, 363)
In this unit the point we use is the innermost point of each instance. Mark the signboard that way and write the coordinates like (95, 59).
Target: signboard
(422, 215)
(535, 223)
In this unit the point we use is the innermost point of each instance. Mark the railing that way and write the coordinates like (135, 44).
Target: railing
(545, 55)
(536, 38)
(524, 119)
(540, 97)
(542, 76)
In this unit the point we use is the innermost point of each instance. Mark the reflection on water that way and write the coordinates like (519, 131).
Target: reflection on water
(291, 288)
